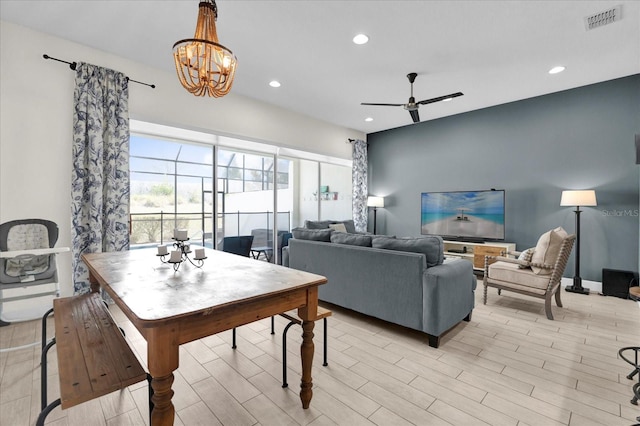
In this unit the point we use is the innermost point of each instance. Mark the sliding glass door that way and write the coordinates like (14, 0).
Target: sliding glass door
(257, 192)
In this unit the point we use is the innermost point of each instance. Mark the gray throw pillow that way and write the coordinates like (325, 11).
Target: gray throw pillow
(432, 247)
(350, 239)
(312, 234)
(316, 224)
(350, 226)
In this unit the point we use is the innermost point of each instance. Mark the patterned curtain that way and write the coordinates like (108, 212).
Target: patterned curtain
(359, 181)
(100, 175)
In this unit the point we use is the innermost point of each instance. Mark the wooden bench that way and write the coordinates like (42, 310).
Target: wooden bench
(322, 314)
(94, 358)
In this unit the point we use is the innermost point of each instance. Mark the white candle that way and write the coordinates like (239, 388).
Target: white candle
(199, 253)
(176, 256)
(162, 250)
(180, 234)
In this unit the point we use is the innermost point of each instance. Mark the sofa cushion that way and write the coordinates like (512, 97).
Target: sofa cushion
(350, 239)
(316, 224)
(519, 279)
(431, 246)
(350, 227)
(374, 236)
(312, 234)
(547, 249)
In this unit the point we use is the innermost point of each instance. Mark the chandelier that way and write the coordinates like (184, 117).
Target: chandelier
(204, 65)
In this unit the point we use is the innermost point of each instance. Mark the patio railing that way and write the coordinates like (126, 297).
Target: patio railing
(155, 228)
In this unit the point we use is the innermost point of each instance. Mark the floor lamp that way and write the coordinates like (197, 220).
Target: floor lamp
(578, 198)
(375, 202)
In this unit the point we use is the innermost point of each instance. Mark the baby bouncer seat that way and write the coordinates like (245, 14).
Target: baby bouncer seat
(27, 260)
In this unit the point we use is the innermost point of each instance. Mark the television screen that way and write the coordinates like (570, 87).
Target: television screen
(465, 215)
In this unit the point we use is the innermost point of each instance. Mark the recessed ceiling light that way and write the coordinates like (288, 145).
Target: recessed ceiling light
(447, 100)
(556, 70)
(368, 119)
(274, 83)
(360, 39)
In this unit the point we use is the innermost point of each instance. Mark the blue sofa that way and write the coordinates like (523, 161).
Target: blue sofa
(390, 284)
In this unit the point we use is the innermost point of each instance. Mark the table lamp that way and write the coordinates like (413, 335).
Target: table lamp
(375, 202)
(578, 198)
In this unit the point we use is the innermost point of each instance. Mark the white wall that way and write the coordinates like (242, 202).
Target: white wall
(36, 98)
(307, 186)
(338, 179)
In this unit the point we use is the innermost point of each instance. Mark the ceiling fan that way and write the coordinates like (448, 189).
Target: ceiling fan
(412, 106)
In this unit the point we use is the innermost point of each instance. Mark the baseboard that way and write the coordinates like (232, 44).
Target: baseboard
(593, 286)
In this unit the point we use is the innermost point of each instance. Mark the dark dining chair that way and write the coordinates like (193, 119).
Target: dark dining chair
(240, 245)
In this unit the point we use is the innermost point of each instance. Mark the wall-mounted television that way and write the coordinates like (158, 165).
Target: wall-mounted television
(464, 215)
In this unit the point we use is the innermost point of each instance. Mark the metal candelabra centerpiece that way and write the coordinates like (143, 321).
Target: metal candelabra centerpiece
(181, 251)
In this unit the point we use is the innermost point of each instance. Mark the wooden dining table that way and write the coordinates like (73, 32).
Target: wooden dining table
(172, 307)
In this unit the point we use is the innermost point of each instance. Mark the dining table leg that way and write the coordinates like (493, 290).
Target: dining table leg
(306, 353)
(162, 360)
(307, 314)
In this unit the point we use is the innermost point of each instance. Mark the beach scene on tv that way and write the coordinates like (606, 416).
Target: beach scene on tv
(472, 214)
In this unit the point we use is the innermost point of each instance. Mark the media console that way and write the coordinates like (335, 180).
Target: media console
(475, 252)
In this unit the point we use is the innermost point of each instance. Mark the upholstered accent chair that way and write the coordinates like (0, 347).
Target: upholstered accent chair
(537, 272)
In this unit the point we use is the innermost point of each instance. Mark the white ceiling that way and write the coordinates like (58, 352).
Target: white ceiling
(493, 51)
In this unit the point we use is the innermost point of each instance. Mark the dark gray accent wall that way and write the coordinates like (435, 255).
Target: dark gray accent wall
(534, 149)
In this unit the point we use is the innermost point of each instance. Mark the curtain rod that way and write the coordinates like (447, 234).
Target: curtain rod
(73, 65)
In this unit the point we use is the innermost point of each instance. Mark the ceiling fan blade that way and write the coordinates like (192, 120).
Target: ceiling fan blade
(365, 103)
(440, 98)
(415, 116)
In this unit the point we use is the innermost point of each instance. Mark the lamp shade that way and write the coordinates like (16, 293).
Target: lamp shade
(578, 198)
(375, 202)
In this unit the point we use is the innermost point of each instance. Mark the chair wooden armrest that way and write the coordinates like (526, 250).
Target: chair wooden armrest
(502, 259)
(520, 262)
(512, 260)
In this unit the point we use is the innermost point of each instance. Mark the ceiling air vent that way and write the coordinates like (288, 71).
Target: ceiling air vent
(605, 17)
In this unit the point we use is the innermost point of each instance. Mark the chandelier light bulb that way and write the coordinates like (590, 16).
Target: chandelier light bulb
(361, 39)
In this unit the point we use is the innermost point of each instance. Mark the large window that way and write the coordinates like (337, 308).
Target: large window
(241, 172)
(172, 186)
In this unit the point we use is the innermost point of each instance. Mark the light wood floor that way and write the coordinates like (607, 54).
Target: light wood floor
(508, 366)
